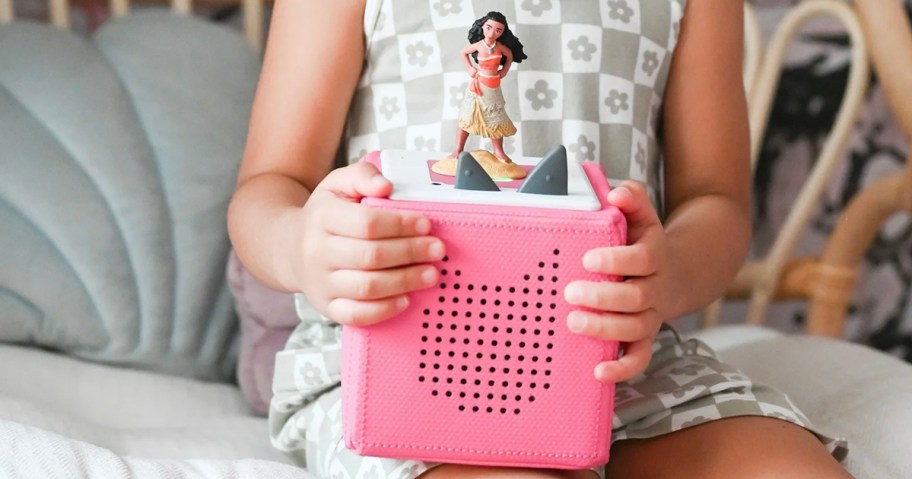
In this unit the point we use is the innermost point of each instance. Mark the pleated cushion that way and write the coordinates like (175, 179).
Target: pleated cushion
(118, 155)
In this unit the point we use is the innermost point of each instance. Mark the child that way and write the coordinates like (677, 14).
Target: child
(597, 78)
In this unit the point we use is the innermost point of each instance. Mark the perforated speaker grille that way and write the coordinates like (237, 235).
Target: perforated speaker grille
(478, 330)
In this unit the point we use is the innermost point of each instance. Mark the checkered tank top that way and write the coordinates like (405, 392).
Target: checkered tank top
(594, 79)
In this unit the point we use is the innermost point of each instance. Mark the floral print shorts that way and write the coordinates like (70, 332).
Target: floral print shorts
(684, 385)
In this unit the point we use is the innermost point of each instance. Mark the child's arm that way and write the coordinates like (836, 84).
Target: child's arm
(682, 267)
(293, 224)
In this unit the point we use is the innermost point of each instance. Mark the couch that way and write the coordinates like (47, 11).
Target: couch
(120, 342)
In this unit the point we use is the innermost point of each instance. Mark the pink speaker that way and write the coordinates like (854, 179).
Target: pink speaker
(481, 369)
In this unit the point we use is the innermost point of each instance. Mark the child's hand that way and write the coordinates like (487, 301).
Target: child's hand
(627, 311)
(358, 263)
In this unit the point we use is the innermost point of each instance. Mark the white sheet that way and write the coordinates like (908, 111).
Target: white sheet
(30, 452)
(127, 412)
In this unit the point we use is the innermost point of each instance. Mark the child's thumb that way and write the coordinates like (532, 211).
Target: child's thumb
(357, 181)
(631, 198)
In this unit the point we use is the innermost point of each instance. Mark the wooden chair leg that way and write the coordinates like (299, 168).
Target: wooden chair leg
(855, 231)
(829, 299)
(6, 11)
(709, 317)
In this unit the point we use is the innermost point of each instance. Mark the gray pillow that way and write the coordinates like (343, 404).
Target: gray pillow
(118, 155)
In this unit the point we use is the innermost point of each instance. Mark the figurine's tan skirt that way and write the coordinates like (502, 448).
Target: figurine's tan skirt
(486, 115)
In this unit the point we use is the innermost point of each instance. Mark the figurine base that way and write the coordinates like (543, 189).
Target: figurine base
(493, 166)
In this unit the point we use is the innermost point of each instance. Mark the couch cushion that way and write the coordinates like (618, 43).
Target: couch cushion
(33, 452)
(846, 389)
(119, 156)
(128, 412)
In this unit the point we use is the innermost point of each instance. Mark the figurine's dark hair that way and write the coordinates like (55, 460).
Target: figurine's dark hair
(507, 38)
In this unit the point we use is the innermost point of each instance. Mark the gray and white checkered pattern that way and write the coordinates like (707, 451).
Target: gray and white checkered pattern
(684, 385)
(594, 79)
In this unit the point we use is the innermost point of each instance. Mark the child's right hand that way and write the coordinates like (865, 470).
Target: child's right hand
(358, 263)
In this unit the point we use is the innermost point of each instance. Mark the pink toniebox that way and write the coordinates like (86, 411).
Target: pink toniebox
(482, 368)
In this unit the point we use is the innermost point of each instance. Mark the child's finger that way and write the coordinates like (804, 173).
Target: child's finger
(634, 361)
(374, 285)
(633, 260)
(363, 313)
(349, 253)
(631, 198)
(614, 326)
(630, 296)
(357, 181)
(358, 221)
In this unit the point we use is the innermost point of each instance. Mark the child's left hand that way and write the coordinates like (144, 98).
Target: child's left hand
(630, 311)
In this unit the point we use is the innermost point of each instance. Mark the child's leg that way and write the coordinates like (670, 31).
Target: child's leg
(454, 471)
(690, 415)
(745, 447)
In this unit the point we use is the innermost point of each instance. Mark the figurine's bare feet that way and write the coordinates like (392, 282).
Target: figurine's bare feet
(494, 166)
(499, 151)
(456, 153)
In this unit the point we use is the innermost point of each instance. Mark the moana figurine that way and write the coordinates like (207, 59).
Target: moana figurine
(494, 48)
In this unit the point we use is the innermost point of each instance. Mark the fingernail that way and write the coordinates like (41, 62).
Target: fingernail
(379, 180)
(576, 322)
(423, 226)
(402, 302)
(601, 372)
(592, 261)
(429, 276)
(572, 294)
(436, 249)
(618, 193)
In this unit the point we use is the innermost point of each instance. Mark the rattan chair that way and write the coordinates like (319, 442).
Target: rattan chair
(879, 34)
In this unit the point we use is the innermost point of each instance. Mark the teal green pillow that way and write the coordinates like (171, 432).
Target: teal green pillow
(118, 155)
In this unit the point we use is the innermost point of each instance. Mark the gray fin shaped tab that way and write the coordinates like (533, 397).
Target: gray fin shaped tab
(549, 177)
(471, 176)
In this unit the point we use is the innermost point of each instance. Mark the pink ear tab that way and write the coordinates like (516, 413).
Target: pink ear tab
(550, 176)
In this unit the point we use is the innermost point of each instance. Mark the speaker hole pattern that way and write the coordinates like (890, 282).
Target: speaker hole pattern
(484, 375)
